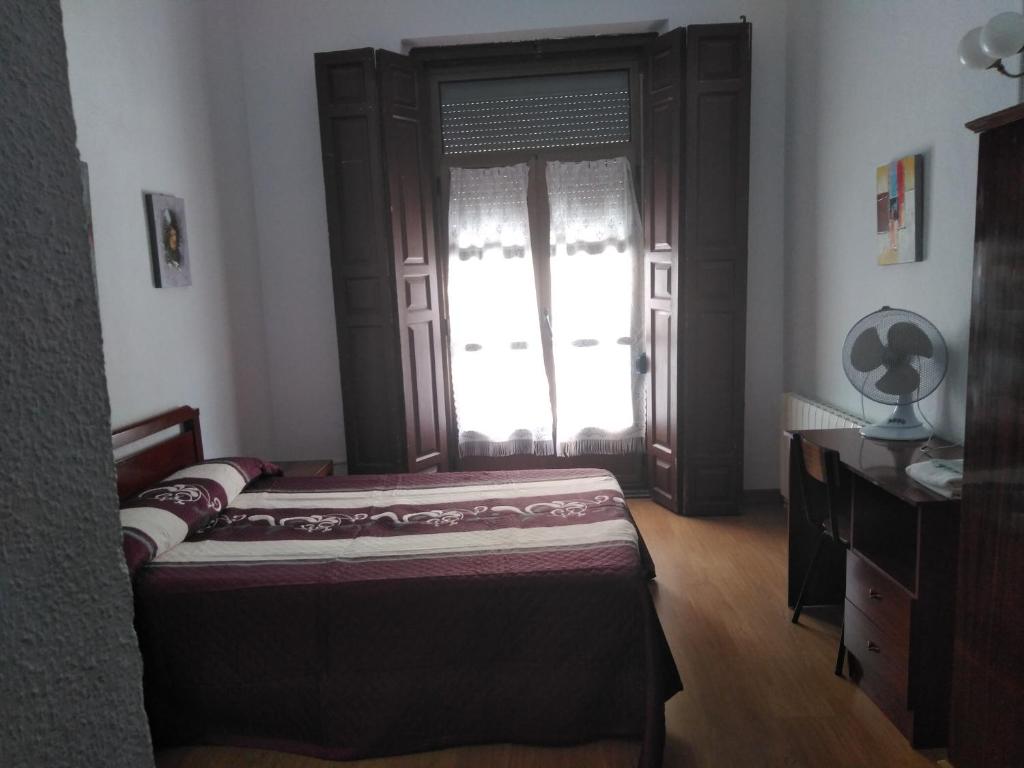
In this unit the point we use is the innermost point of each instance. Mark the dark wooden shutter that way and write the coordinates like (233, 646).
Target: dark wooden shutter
(714, 279)
(663, 95)
(362, 273)
(405, 119)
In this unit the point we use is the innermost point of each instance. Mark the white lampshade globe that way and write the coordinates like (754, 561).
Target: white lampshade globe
(971, 53)
(1003, 35)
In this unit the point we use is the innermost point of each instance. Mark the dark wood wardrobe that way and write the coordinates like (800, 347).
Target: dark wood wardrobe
(382, 186)
(987, 722)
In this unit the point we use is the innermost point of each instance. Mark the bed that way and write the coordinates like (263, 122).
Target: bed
(351, 617)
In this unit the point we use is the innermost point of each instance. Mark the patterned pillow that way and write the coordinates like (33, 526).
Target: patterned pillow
(164, 514)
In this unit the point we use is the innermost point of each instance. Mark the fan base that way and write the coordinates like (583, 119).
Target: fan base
(883, 431)
(902, 424)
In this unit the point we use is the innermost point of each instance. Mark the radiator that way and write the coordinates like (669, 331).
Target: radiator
(798, 412)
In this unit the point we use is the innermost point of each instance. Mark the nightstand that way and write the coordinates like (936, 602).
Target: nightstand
(310, 468)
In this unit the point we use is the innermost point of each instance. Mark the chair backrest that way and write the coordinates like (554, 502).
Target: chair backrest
(819, 483)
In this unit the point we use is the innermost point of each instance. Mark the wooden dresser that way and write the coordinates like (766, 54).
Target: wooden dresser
(987, 727)
(900, 580)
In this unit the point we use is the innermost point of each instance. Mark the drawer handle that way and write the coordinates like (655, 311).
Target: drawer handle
(874, 594)
(873, 647)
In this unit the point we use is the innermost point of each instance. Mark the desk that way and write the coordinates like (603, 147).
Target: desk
(900, 578)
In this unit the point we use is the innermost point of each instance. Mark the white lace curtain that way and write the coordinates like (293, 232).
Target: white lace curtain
(502, 401)
(596, 306)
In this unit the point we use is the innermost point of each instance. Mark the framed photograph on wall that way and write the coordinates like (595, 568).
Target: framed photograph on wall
(899, 202)
(168, 240)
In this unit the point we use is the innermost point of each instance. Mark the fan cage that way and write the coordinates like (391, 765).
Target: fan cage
(931, 370)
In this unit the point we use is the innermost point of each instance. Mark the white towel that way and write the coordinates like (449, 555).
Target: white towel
(944, 477)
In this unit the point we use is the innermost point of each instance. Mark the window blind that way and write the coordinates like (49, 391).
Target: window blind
(526, 113)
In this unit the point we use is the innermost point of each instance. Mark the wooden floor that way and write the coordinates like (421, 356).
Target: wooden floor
(759, 691)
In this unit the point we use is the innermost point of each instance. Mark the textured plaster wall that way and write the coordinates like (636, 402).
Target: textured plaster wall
(153, 114)
(867, 83)
(70, 672)
(275, 43)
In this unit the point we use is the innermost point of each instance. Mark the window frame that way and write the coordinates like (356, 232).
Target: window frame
(535, 58)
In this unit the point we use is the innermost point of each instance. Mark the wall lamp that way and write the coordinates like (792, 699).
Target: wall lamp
(986, 47)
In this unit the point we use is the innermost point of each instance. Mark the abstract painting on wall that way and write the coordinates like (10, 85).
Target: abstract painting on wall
(899, 199)
(168, 241)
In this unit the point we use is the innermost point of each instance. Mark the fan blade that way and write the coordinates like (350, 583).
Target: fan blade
(867, 352)
(900, 379)
(907, 339)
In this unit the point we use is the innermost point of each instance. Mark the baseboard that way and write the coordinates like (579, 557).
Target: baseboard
(753, 497)
(762, 496)
(636, 493)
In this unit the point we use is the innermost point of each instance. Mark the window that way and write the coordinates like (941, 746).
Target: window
(543, 263)
(529, 113)
(596, 300)
(504, 400)
(505, 403)
(497, 360)
(379, 111)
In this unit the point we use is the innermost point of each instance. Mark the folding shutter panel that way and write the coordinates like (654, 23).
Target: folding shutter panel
(405, 122)
(663, 96)
(364, 300)
(713, 302)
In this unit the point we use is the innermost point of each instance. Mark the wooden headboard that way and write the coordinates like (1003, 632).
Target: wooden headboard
(154, 462)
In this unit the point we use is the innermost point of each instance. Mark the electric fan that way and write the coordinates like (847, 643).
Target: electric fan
(904, 368)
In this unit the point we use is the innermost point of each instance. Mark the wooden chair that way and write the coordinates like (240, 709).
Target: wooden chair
(823, 503)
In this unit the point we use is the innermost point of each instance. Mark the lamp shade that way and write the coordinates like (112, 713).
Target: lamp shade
(1003, 35)
(971, 53)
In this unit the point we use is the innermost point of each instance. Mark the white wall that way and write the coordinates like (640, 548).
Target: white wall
(215, 102)
(868, 82)
(277, 41)
(150, 118)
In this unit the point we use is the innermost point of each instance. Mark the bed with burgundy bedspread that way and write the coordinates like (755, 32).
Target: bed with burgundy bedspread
(351, 617)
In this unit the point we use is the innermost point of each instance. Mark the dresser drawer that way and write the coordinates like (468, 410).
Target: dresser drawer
(878, 664)
(878, 597)
(884, 653)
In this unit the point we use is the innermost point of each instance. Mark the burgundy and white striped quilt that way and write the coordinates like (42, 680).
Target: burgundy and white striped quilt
(162, 516)
(361, 616)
